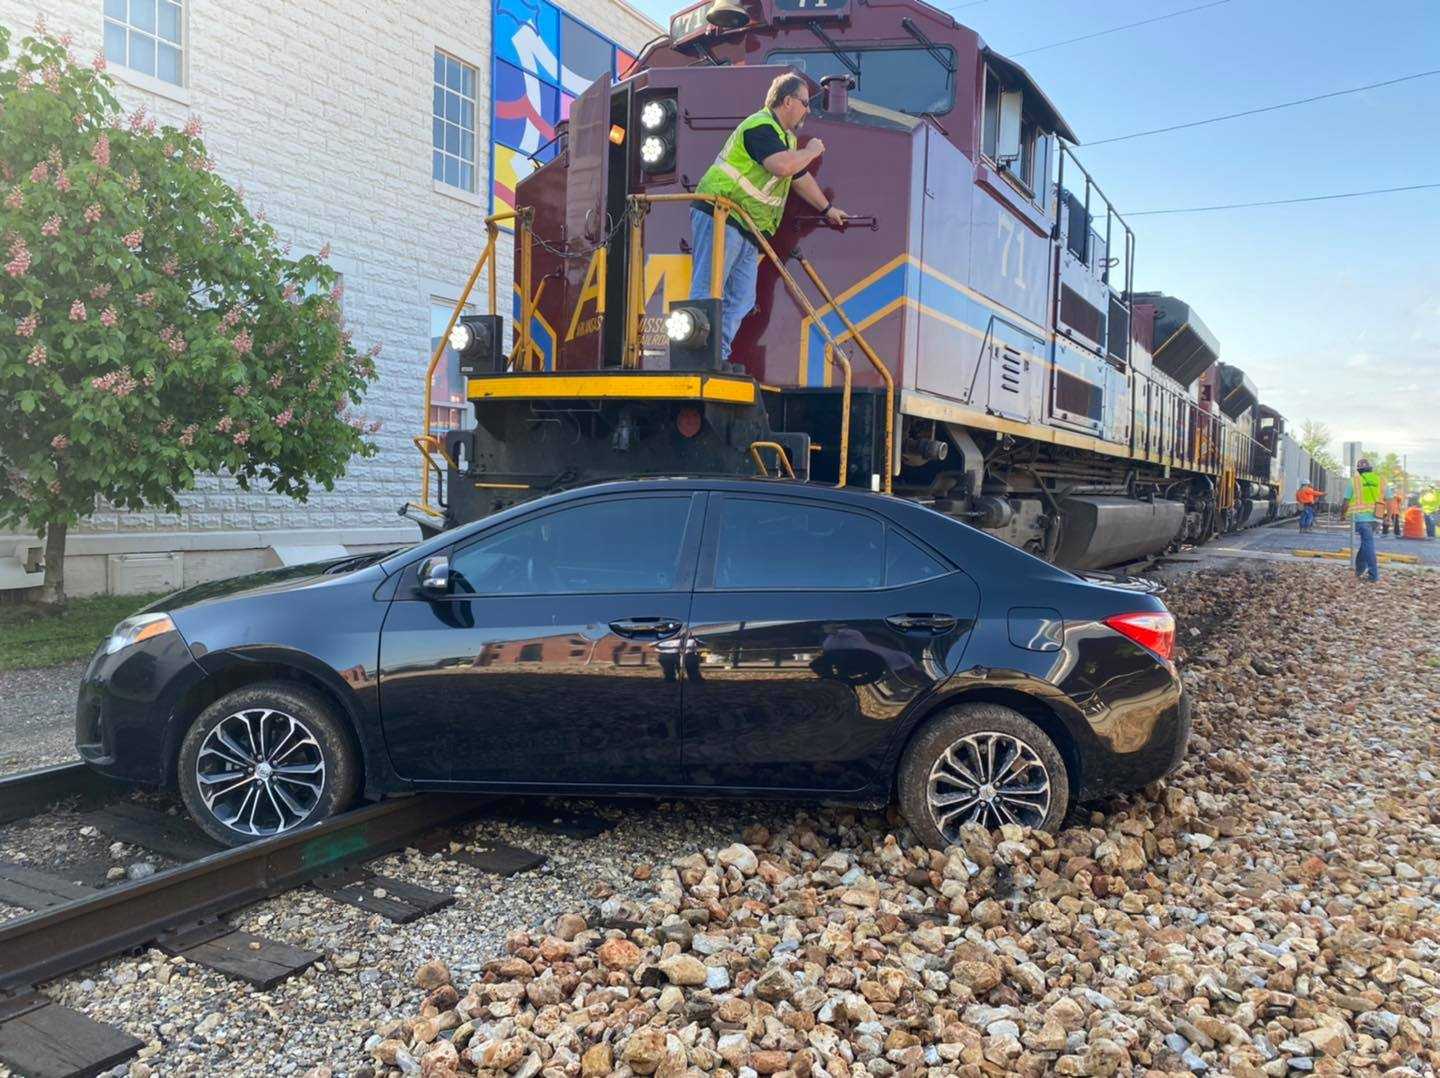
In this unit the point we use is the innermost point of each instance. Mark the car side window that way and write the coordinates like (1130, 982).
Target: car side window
(617, 545)
(789, 544)
(906, 563)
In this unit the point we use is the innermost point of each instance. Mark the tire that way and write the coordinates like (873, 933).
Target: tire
(312, 743)
(968, 729)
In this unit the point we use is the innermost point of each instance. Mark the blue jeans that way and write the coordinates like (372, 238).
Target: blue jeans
(1430, 521)
(1365, 560)
(1307, 517)
(742, 264)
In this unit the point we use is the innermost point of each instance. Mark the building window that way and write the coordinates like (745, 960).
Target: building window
(447, 391)
(453, 126)
(146, 36)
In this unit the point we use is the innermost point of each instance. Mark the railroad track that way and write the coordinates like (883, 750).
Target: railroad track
(182, 910)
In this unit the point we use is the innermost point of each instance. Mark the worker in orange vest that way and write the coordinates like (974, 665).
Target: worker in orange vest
(1307, 496)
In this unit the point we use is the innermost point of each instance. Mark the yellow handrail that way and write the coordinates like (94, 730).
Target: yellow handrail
(487, 256)
(834, 355)
(633, 330)
(875, 362)
(635, 286)
(783, 457)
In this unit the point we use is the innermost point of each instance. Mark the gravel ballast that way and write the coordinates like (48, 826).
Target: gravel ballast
(1269, 909)
(37, 716)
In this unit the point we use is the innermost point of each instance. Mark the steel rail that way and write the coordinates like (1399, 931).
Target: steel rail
(28, 792)
(56, 941)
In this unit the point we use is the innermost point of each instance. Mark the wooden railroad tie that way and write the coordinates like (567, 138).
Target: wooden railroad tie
(398, 901)
(42, 1039)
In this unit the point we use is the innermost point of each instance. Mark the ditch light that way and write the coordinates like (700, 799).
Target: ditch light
(478, 340)
(693, 329)
(657, 118)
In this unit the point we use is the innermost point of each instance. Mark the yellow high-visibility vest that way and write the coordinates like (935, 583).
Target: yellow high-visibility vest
(745, 181)
(1366, 495)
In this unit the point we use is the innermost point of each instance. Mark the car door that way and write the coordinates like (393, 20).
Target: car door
(813, 627)
(554, 658)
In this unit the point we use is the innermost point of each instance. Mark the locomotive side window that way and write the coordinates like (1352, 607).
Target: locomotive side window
(908, 80)
(1011, 138)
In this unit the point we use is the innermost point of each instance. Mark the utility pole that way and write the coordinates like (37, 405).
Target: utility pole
(1352, 454)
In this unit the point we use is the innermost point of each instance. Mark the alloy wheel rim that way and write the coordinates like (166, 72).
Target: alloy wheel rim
(989, 779)
(260, 772)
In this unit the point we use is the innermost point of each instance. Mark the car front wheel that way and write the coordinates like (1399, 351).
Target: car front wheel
(985, 764)
(264, 760)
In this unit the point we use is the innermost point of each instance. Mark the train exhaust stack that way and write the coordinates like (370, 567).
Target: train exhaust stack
(972, 339)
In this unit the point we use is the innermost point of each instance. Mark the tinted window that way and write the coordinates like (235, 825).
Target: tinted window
(906, 80)
(906, 563)
(772, 544)
(630, 544)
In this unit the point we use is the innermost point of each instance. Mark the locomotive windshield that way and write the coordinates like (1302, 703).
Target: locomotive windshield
(906, 79)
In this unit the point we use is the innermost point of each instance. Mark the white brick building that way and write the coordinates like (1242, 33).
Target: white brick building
(324, 112)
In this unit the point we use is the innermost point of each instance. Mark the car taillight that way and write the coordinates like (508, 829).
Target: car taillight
(1152, 629)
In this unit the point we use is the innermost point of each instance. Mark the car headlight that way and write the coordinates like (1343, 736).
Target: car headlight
(137, 628)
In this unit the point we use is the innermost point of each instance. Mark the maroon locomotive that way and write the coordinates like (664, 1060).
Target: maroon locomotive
(970, 339)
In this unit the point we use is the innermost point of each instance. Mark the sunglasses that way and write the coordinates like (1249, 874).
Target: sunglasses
(803, 100)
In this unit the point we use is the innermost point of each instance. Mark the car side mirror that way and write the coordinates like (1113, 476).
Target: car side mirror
(435, 576)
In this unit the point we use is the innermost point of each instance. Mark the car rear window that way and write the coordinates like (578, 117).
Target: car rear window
(906, 563)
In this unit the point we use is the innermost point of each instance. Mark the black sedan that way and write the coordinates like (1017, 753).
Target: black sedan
(660, 637)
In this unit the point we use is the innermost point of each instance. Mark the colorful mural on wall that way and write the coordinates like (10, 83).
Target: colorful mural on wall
(544, 59)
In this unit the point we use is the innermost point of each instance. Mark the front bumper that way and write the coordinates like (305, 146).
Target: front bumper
(127, 717)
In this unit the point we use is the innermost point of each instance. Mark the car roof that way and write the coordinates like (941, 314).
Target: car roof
(739, 484)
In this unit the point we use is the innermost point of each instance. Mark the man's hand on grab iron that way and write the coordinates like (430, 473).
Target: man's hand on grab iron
(814, 148)
(836, 216)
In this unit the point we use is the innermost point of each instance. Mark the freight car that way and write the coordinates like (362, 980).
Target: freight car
(972, 339)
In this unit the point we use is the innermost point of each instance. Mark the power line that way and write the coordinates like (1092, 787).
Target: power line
(1266, 108)
(1286, 201)
(1117, 29)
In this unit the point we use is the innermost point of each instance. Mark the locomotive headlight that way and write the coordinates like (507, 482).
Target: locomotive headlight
(461, 337)
(654, 151)
(657, 113)
(687, 326)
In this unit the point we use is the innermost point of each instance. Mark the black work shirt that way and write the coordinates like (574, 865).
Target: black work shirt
(760, 142)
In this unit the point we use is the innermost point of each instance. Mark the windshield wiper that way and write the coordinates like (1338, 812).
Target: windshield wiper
(834, 47)
(933, 49)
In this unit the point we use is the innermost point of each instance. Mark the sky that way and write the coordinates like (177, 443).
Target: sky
(1332, 308)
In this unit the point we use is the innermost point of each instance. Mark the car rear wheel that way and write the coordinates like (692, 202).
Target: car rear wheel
(985, 764)
(264, 760)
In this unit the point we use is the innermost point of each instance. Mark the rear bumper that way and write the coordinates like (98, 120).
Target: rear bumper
(126, 721)
(1138, 748)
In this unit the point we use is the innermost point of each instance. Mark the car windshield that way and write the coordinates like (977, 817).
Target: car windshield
(360, 561)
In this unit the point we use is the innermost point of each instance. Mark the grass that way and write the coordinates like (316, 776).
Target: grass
(33, 636)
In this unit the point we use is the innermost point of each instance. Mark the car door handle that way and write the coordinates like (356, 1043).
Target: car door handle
(921, 623)
(646, 628)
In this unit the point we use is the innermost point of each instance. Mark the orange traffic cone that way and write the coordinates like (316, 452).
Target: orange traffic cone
(1414, 523)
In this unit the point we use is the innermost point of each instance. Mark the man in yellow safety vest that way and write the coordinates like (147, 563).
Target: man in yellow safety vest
(1367, 502)
(1430, 506)
(756, 168)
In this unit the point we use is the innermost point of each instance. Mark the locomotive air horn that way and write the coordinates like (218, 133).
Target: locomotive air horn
(727, 15)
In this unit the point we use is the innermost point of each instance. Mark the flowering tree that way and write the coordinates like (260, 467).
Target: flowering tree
(151, 327)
